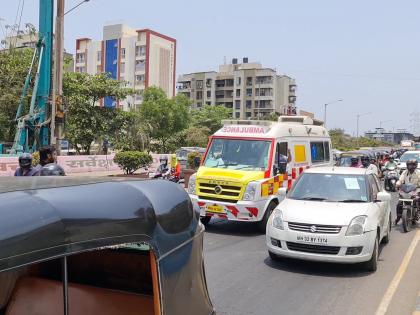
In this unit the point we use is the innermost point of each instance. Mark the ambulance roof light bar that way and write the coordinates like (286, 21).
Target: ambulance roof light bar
(248, 122)
(304, 120)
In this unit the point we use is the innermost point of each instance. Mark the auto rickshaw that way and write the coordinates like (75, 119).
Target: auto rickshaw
(84, 246)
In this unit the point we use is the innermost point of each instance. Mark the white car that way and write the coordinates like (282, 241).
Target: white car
(332, 214)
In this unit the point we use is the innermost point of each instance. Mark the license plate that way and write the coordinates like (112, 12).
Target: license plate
(314, 239)
(215, 209)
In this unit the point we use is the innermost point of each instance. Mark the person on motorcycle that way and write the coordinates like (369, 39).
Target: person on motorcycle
(410, 176)
(175, 167)
(163, 169)
(391, 164)
(52, 169)
(366, 163)
(354, 162)
(25, 166)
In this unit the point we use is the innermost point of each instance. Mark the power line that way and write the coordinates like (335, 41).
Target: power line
(20, 21)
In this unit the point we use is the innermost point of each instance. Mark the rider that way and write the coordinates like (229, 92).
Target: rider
(354, 162)
(52, 169)
(391, 164)
(163, 169)
(25, 166)
(175, 167)
(410, 176)
(366, 163)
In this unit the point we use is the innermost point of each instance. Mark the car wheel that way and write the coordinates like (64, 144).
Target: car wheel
(372, 264)
(263, 223)
(274, 256)
(387, 237)
(205, 220)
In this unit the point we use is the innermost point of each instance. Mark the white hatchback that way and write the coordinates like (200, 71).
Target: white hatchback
(332, 214)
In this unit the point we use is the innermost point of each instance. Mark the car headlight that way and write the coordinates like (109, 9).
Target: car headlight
(357, 226)
(250, 191)
(278, 222)
(192, 184)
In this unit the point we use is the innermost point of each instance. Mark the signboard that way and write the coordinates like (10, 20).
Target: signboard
(244, 129)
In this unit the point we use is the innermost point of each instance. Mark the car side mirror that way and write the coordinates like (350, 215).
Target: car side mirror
(282, 191)
(383, 196)
(275, 170)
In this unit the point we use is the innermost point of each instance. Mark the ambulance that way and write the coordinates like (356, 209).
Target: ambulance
(249, 165)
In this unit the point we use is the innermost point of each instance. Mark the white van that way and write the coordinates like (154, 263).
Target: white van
(243, 167)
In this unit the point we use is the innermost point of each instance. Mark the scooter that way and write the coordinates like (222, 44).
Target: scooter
(390, 178)
(411, 212)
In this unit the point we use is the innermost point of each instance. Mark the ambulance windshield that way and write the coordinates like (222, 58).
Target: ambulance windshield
(238, 154)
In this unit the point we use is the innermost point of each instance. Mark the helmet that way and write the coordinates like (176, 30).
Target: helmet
(52, 169)
(412, 164)
(25, 160)
(163, 159)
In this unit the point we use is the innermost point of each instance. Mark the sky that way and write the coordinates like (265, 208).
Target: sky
(366, 53)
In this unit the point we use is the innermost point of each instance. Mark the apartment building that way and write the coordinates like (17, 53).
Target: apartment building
(142, 58)
(250, 90)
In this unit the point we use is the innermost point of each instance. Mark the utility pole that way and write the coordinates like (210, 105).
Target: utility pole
(357, 126)
(325, 110)
(58, 75)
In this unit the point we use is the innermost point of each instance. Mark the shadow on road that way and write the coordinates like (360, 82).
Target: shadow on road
(225, 227)
(317, 268)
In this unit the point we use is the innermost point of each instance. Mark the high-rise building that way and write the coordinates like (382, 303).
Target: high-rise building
(247, 88)
(142, 58)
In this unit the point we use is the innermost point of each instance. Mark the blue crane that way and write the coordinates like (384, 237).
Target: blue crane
(33, 127)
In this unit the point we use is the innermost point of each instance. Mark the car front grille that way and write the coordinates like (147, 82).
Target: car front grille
(225, 191)
(314, 228)
(313, 249)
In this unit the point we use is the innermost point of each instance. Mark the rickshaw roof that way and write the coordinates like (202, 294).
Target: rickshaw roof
(46, 217)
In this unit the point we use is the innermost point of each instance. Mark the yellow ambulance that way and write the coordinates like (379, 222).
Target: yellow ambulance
(249, 165)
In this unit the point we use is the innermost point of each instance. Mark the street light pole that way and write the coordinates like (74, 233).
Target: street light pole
(357, 127)
(325, 110)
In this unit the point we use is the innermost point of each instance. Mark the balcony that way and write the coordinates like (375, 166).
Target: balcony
(292, 99)
(292, 88)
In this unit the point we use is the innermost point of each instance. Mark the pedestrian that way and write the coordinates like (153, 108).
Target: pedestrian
(25, 166)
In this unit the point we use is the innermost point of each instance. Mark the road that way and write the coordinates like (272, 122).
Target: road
(244, 281)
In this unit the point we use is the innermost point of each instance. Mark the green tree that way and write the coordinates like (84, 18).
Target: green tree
(14, 66)
(197, 136)
(163, 118)
(87, 122)
(210, 117)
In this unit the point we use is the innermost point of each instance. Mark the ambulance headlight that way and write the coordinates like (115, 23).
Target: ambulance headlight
(250, 191)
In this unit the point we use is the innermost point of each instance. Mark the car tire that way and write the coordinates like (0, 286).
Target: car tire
(274, 256)
(205, 220)
(387, 237)
(263, 223)
(372, 264)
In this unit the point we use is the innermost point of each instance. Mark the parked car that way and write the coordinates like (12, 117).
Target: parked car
(332, 214)
(408, 155)
(103, 246)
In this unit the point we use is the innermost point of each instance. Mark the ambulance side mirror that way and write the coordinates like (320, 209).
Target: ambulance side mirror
(282, 169)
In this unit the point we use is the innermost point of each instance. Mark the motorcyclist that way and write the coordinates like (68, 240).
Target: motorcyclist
(52, 169)
(354, 162)
(163, 169)
(391, 164)
(366, 163)
(25, 166)
(410, 176)
(175, 167)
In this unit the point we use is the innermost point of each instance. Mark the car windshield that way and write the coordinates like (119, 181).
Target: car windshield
(330, 187)
(346, 160)
(247, 155)
(409, 156)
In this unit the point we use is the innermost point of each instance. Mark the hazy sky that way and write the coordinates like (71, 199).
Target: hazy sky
(366, 52)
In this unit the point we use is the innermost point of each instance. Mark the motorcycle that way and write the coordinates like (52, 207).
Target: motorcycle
(411, 212)
(390, 178)
(167, 174)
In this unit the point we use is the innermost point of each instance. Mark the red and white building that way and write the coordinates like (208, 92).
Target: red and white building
(142, 58)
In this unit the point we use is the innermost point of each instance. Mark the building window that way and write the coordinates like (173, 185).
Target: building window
(208, 103)
(248, 92)
(199, 95)
(99, 56)
(140, 65)
(140, 79)
(208, 94)
(199, 84)
(99, 69)
(80, 69)
(199, 104)
(122, 53)
(122, 67)
(237, 115)
(249, 81)
(248, 114)
(140, 51)
(80, 57)
(248, 104)
(229, 82)
(238, 81)
(237, 104)
(208, 83)
(229, 94)
(238, 92)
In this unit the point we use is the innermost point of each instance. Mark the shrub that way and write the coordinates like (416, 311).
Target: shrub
(193, 159)
(131, 161)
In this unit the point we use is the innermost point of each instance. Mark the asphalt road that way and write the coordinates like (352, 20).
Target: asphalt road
(243, 280)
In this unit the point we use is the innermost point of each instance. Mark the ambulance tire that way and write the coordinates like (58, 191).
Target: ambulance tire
(205, 220)
(263, 223)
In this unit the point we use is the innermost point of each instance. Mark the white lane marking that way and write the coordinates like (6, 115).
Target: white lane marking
(393, 286)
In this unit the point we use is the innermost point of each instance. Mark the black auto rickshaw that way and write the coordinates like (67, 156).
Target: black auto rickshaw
(99, 246)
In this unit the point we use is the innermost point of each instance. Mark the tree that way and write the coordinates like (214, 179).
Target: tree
(131, 161)
(210, 117)
(197, 136)
(87, 122)
(163, 118)
(14, 66)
